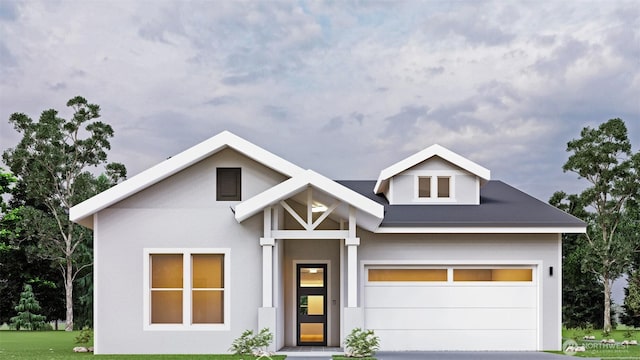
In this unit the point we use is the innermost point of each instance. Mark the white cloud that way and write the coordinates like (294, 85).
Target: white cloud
(368, 83)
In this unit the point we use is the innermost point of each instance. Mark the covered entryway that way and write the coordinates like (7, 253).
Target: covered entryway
(461, 307)
(310, 221)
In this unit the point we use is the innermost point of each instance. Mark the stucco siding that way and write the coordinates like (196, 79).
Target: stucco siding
(195, 187)
(179, 212)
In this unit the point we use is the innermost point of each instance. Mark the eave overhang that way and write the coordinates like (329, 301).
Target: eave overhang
(481, 230)
(369, 214)
(83, 212)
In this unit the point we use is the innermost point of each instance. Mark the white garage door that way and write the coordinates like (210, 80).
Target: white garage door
(452, 308)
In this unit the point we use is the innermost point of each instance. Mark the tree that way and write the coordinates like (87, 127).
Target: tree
(18, 265)
(603, 157)
(53, 160)
(631, 228)
(582, 301)
(28, 309)
(631, 306)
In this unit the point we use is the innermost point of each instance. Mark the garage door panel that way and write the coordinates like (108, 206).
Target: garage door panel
(464, 340)
(451, 319)
(450, 296)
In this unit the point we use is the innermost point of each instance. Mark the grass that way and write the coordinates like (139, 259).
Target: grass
(58, 345)
(605, 351)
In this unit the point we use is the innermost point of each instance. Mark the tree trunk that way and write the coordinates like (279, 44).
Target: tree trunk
(607, 305)
(68, 288)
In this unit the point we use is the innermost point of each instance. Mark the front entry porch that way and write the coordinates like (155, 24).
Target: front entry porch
(309, 232)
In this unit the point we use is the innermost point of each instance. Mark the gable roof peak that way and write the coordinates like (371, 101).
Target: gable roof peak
(369, 212)
(83, 213)
(433, 150)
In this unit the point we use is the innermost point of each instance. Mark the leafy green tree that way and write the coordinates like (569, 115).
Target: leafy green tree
(17, 264)
(7, 181)
(53, 161)
(582, 299)
(631, 306)
(603, 157)
(28, 309)
(631, 229)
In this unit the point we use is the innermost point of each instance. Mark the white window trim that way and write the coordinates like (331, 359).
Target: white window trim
(434, 175)
(186, 294)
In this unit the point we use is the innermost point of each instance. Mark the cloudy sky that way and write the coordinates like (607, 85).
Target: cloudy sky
(344, 88)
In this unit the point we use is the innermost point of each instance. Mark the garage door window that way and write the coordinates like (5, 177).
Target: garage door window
(407, 275)
(523, 275)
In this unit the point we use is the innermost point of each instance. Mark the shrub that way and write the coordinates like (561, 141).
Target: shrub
(250, 344)
(628, 333)
(361, 343)
(85, 336)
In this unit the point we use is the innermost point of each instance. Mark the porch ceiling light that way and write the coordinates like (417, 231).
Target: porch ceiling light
(313, 271)
(318, 207)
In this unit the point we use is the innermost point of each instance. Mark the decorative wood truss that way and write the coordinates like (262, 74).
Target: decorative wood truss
(310, 225)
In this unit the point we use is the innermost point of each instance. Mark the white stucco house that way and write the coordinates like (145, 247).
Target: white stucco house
(226, 236)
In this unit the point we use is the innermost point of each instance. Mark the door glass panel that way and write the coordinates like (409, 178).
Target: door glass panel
(312, 305)
(311, 332)
(407, 274)
(311, 277)
(493, 275)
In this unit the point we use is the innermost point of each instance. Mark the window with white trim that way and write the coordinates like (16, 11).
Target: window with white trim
(431, 187)
(186, 289)
(228, 184)
(424, 186)
(444, 186)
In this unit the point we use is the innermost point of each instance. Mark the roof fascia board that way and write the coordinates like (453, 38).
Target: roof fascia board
(178, 163)
(431, 151)
(481, 230)
(297, 183)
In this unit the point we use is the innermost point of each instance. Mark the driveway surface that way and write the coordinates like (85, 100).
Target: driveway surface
(468, 355)
(453, 355)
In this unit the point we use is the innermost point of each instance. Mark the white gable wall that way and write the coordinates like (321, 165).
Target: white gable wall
(195, 187)
(403, 187)
(179, 212)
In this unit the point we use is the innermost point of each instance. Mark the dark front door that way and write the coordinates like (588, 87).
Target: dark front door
(311, 280)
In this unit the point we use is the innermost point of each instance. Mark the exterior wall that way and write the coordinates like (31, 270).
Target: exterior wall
(403, 187)
(179, 212)
(477, 249)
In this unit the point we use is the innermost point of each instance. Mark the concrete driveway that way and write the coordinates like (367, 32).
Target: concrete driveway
(468, 355)
(451, 355)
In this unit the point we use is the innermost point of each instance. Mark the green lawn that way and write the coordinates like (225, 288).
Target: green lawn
(605, 351)
(58, 345)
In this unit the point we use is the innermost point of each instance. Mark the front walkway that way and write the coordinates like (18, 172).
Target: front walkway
(310, 352)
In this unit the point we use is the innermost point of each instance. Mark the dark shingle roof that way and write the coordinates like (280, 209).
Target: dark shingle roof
(500, 206)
